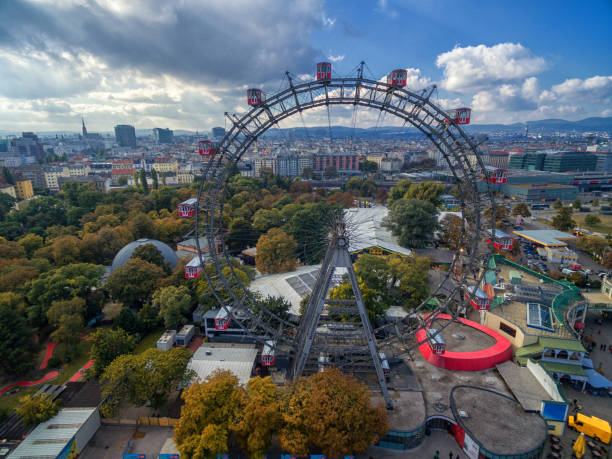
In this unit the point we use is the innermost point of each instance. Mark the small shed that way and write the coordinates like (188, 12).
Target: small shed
(185, 335)
(166, 340)
(515, 277)
(64, 435)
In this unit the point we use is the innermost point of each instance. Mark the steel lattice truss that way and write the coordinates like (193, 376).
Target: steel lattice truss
(459, 150)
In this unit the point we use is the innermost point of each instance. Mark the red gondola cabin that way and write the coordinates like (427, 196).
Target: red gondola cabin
(194, 268)
(397, 78)
(267, 354)
(222, 320)
(187, 208)
(255, 97)
(324, 71)
(496, 175)
(459, 115)
(480, 300)
(502, 241)
(206, 147)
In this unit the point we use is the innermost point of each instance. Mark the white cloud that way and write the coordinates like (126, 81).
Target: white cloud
(338, 58)
(327, 21)
(481, 67)
(594, 88)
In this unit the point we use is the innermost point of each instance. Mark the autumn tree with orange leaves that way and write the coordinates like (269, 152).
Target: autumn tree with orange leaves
(330, 411)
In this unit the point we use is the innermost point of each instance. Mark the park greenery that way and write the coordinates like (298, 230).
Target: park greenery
(329, 411)
(34, 409)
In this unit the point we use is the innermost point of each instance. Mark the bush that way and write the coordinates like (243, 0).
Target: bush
(54, 362)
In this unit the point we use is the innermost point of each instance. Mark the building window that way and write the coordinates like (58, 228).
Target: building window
(507, 329)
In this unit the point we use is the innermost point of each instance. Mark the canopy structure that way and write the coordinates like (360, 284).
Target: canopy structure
(597, 380)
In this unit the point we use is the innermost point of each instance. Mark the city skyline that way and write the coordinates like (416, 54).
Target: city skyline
(152, 64)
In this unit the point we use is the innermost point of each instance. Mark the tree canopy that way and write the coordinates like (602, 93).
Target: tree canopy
(276, 252)
(563, 221)
(144, 379)
(413, 222)
(17, 345)
(108, 344)
(331, 411)
(134, 282)
(173, 304)
(34, 409)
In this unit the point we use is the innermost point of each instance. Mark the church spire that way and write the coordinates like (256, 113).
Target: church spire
(84, 128)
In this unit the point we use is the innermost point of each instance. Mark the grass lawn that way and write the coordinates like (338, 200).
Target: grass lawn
(9, 402)
(604, 227)
(148, 341)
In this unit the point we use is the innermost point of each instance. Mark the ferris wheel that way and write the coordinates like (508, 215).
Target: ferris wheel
(238, 306)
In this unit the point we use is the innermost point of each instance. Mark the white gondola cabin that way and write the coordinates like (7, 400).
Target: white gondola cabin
(384, 363)
(436, 343)
(397, 78)
(323, 362)
(496, 175)
(187, 208)
(223, 319)
(194, 268)
(267, 354)
(459, 115)
(255, 97)
(206, 147)
(324, 71)
(478, 299)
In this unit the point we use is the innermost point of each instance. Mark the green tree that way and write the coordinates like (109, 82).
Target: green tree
(369, 167)
(30, 243)
(59, 309)
(410, 275)
(577, 204)
(143, 181)
(425, 191)
(127, 321)
(557, 204)
(6, 204)
(592, 220)
(150, 253)
(173, 304)
(135, 178)
(241, 235)
(521, 209)
(264, 219)
(34, 409)
(309, 226)
(563, 221)
(413, 222)
(331, 411)
(17, 345)
(69, 331)
(108, 344)
(145, 379)
(155, 179)
(134, 282)
(276, 252)
(59, 284)
(398, 191)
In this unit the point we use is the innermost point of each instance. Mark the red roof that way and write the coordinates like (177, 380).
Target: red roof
(129, 171)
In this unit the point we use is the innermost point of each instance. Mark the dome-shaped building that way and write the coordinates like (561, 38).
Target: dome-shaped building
(124, 255)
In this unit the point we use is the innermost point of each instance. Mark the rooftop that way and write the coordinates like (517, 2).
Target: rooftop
(50, 437)
(237, 358)
(370, 232)
(498, 422)
(553, 238)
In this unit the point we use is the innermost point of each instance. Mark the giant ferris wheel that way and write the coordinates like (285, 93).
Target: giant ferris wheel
(389, 98)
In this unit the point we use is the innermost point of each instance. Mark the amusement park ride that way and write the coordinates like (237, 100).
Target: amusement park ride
(317, 341)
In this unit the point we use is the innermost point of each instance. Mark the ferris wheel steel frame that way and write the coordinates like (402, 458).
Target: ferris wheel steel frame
(414, 109)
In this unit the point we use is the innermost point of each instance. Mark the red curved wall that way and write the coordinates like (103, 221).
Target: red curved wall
(482, 359)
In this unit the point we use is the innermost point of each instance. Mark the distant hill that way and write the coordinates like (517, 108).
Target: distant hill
(547, 126)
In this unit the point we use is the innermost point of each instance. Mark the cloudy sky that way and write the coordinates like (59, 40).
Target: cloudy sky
(183, 63)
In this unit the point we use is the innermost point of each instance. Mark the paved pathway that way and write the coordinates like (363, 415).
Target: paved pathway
(48, 353)
(48, 377)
